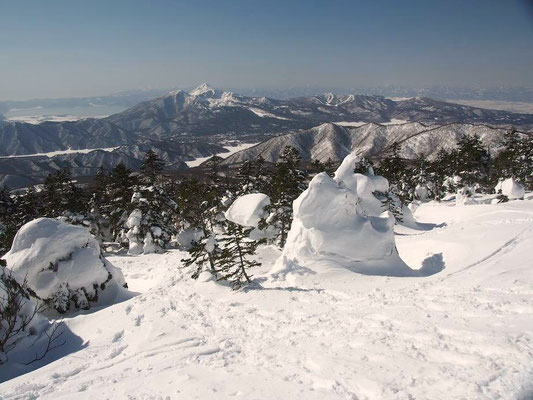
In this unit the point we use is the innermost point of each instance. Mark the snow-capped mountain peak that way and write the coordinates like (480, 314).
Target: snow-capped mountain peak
(204, 90)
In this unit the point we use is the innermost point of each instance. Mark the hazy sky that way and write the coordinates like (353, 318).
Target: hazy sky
(72, 48)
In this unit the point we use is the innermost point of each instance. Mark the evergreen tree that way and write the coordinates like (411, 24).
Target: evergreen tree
(195, 215)
(234, 259)
(8, 224)
(285, 185)
(203, 254)
(472, 162)
(516, 159)
(29, 206)
(152, 220)
(364, 166)
(152, 167)
(115, 204)
(62, 195)
(393, 167)
(391, 203)
(328, 167)
(252, 177)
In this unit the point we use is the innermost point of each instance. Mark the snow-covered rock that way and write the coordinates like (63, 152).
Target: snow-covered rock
(510, 188)
(336, 222)
(248, 210)
(64, 266)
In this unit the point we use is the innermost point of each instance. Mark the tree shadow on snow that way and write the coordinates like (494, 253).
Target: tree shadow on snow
(256, 285)
(31, 352)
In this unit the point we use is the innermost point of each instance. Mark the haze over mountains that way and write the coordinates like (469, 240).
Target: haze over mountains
(181, 126)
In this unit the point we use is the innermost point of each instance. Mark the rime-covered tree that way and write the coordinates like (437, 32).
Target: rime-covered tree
(151, 222)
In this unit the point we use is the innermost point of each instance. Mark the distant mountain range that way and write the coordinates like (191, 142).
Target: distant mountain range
(181, 126)
(130, 98)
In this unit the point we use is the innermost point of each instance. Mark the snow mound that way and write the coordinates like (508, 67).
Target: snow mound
(64, 266)
(510, 188)
(248, 210)
(336, 224)
(367, 186)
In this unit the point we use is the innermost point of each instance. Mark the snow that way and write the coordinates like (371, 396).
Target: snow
(248, 210)
(37, 119)
(356, 124)
(231, 150)
(59, 152)
(265, 114)
(339, 224)
(463, 333)
(510, 188)
(59, 259)
(203, 89)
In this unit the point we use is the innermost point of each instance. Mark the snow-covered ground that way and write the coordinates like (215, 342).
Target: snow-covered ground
(37, 119)
(231, 150)
(356, 124)
(463, 333)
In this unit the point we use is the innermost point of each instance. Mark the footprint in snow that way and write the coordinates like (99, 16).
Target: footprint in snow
(139, 319)
(118, 336)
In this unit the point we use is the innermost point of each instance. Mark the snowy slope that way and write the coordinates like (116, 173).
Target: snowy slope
(464, 333)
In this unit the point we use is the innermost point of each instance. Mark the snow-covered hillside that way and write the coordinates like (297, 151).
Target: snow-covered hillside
(463, 333)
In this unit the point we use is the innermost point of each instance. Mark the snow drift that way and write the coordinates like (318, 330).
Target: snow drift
(64, 266)
(338, 222)
(510, 188)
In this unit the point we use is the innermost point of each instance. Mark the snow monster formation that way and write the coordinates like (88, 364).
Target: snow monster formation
(64, 267)
(339, 223)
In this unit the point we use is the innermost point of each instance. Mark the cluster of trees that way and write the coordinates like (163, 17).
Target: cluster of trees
(469, 166)
(144, 211)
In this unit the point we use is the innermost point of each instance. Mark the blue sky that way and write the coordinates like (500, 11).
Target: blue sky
(82, 48)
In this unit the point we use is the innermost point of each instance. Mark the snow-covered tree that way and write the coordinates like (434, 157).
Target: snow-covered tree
(151, 223)
(516, 159)
(286, 183)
